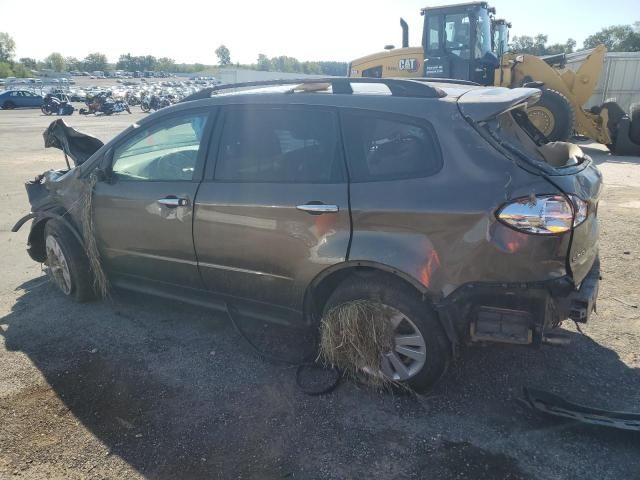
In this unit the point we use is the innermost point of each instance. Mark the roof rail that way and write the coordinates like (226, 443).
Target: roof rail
(340, 85)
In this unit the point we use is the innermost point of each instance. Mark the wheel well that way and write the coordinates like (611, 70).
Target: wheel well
(318, 294)
(35, 242)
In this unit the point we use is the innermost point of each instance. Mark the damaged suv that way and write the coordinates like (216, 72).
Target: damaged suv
(438, 200)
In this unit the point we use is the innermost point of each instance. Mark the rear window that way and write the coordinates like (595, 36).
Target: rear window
(389, 147)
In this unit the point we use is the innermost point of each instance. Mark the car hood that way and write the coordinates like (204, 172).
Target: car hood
(76, 145)
(481, 104)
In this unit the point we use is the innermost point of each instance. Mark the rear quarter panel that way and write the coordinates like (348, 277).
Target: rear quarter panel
(442, 229)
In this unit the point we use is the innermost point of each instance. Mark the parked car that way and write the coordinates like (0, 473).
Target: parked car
(440, 202)
(11, 99)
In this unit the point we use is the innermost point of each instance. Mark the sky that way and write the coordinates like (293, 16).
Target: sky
(189, 31)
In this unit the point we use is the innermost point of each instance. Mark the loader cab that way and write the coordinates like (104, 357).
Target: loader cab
(500, 36)
(458, 42)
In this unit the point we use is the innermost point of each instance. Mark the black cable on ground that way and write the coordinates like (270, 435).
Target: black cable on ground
(308, 363)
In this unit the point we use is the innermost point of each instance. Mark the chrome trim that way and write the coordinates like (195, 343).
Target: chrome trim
(200, 264)
(243, 270)
(153, 257)
(173, 202)
(318, 208)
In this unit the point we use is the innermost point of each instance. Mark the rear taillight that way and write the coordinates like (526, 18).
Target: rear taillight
(544, 214)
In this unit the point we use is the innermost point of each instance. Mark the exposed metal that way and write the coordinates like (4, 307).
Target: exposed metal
(555, 405)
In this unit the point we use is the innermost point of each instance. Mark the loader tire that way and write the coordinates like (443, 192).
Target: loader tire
(553, 115)
(634, 129)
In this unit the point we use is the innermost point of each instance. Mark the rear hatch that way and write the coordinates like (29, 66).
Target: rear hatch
(499, 115)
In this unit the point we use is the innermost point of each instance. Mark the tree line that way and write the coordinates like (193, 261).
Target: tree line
(617, 38)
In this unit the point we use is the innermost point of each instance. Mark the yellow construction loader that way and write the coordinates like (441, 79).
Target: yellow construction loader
(466, 42)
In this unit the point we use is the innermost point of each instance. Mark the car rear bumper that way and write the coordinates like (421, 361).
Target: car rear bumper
(522, 313)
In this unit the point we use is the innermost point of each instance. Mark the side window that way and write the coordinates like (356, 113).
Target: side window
(279, 145)
(458, 34)
(166, 151)
(381, 147)
(433, 32)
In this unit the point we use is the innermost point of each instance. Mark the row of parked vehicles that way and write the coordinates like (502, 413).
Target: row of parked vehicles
(104, 100)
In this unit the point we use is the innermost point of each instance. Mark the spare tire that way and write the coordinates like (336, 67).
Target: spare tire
(553, 115)
(634, 129)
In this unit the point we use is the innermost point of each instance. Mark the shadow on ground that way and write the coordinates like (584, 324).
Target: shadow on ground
(175, 393)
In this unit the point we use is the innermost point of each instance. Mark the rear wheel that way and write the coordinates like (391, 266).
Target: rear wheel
(553, 115)
(634, 130)
(421, 351)
(8, 105)
(67, 264)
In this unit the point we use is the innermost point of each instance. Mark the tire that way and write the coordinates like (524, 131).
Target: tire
(553, 115)
(45, 110)
(79, 284)
(8, 105)
(615, 114)
(408, 303)
(144, 106)
(634, 129)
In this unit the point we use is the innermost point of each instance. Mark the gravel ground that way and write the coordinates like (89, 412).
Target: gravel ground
(135, 387)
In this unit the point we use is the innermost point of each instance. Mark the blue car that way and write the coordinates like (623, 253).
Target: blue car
(19, 98)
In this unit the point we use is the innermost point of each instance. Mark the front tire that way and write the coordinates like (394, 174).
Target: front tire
(45, 110)
(553, 115)
(422, 350)
(67, 263)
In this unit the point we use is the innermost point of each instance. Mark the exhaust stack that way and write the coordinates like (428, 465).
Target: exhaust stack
(405, 33)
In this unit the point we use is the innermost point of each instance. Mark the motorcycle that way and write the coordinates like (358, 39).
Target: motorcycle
(103, 103)
(56, 104)
(154, 102)
(132, 99)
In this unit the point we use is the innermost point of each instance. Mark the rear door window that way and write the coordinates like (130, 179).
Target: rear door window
(389, 147)
(277, 144)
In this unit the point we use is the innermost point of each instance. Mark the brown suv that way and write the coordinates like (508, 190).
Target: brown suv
(439, 200)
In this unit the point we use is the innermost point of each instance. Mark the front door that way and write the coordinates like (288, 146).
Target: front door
(144, 212)
(276, 211)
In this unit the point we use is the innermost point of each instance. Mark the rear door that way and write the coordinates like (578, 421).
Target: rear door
(275, 211)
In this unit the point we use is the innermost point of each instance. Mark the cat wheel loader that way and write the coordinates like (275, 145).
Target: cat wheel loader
(466, 42)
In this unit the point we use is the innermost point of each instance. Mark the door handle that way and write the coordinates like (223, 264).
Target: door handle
(318, 208)
(173, 202)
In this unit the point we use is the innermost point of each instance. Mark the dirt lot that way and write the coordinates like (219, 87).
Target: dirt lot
(135, 387)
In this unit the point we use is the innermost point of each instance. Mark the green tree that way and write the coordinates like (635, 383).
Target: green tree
(224, 56)
(617, 38)
(7, 47)
(20, 70)
(29, 62)
(538, 45)
(5, 70)
(165, 64)
(95, 61)
(55, 62)
(263, 63)
(73, 63)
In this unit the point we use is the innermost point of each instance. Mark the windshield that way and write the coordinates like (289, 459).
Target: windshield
(483, 34)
